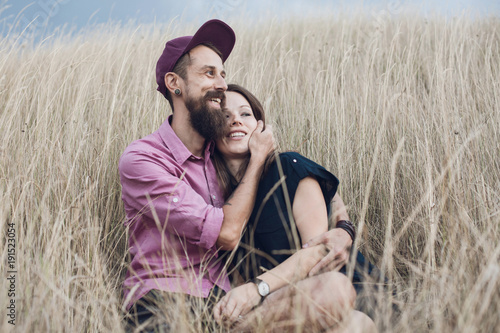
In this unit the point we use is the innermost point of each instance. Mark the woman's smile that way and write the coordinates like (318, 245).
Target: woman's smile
(236, 135)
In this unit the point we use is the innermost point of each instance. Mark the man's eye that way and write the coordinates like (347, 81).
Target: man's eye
(211, 73)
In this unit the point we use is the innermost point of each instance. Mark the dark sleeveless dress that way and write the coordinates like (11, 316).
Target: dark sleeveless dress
(271, 235)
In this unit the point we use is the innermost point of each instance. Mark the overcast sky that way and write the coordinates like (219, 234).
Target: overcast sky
(79, 13)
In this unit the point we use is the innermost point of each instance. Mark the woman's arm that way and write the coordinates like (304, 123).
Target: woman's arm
(242, 299)
(311, 218)
(309, 212)
(309, 209)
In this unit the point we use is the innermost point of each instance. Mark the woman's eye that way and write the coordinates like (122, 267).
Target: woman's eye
(246, 114)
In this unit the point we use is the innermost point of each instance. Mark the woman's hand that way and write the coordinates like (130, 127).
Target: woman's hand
(236, 303)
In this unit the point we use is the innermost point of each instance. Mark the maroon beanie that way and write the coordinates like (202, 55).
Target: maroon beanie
(215, 32)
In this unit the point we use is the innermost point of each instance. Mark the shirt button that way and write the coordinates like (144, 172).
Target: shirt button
(175, 200)
(213, 196)
(294, 160)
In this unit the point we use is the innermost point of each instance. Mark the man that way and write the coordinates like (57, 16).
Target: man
(174, 206)
(175, 213)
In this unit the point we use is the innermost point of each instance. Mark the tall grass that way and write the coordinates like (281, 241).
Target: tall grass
(405, 112)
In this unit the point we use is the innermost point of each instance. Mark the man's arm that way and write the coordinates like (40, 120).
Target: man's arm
(156, 194)
(239, 206)
(337, 240)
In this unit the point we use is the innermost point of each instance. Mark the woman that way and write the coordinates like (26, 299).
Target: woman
(290, 209)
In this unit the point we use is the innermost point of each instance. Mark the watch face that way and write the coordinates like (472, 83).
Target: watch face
(263, 288)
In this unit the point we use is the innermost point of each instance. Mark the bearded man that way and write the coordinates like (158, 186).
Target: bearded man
(176, 215)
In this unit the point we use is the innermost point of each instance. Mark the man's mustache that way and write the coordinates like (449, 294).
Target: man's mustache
(216, 94)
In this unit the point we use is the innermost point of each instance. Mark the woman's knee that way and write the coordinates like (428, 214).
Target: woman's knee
(339, 283)
(334, 298)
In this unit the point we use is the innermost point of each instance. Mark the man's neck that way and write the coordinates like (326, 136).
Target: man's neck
(193, 141)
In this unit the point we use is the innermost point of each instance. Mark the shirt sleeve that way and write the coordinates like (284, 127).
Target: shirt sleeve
(153, 192)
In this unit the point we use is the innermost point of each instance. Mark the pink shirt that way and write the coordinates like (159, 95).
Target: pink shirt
(173, 204)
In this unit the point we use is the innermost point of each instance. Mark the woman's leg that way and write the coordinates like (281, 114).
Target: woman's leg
(315, 303)
(355, 322)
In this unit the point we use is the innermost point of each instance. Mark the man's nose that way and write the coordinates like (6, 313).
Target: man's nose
(220, 83)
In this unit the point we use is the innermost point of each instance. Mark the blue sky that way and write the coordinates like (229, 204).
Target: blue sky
(79, 13)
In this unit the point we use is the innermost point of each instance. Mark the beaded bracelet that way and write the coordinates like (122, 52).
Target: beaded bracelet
(348, 227)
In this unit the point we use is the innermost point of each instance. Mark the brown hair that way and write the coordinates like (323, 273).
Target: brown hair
(226, 180)
(181, 67)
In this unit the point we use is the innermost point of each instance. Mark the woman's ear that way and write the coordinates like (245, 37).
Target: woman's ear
(172, 82)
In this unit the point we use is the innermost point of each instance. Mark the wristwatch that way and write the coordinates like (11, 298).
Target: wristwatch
(262, 287)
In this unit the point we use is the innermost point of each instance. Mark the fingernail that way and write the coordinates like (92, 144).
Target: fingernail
(305, 246)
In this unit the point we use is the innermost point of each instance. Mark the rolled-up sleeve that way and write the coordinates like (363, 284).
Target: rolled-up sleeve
(155, 193)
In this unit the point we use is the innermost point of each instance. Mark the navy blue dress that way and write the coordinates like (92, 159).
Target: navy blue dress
(271, 236)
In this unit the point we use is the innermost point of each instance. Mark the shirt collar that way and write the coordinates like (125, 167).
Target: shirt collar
(178, 149)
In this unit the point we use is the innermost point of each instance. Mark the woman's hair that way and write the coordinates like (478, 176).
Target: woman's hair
(258, 110)
(227, 181)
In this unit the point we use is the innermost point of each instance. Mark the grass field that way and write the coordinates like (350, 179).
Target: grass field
(405, 111)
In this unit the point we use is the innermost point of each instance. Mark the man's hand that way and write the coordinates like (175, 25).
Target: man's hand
(236, 303)
(338, 243)
(261, 142)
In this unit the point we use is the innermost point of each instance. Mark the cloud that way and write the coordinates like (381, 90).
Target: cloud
(48, 14)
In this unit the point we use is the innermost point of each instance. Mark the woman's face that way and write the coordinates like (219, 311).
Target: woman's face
(240, 124)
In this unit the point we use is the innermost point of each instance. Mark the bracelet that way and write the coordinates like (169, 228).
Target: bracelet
(348, 227)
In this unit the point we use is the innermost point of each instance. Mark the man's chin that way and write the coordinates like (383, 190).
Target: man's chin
(208, 119)
(209, 127)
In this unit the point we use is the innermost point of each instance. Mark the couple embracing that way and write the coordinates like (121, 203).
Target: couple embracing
(206, 194)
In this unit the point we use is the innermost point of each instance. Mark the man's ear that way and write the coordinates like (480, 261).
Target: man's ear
(172, 82)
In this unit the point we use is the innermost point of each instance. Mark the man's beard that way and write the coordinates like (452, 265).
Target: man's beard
(209, 122)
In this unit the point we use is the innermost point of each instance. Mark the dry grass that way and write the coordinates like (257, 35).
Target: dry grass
(405, 112)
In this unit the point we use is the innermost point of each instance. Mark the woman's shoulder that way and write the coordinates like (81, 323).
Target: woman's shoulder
(300, 166)
(296, 161)
(292, 157)
(296, 167)
(288, 162)
(286, 165)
